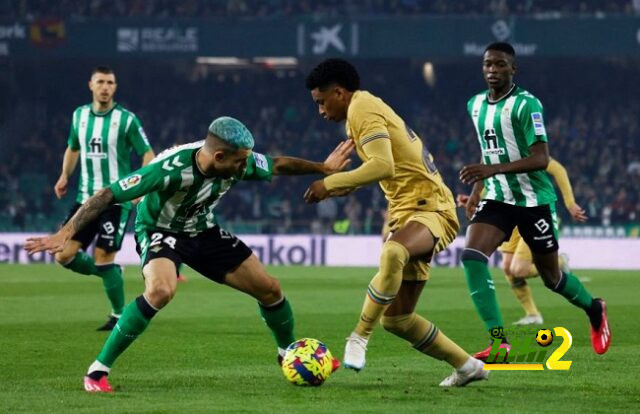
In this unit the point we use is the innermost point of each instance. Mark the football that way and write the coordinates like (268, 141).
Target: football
(544, 337)
(307, 361)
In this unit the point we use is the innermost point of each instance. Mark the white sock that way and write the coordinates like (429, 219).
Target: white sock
(98, 366)
(281, 351)
(469, 366)
(359, 337)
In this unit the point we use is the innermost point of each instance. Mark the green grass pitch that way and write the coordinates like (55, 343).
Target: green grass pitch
(208, 350)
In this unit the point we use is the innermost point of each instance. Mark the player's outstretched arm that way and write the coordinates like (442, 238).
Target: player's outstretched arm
(337, 161)
(538, 160)
(89, 211)
(379, 166)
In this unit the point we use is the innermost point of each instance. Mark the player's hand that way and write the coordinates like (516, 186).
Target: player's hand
(461, 200)
(61, 187)
(316, 192)
(578, 213)
(469, 174)
(471, 204)
(135, 201)
(52, 244)
(339, 159)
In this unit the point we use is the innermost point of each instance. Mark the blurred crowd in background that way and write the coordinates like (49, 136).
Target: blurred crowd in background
(82, 9)
(591, 118)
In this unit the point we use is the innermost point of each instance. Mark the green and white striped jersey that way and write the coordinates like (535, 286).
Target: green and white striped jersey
(105, 142)
(177, 196)
(506, 129)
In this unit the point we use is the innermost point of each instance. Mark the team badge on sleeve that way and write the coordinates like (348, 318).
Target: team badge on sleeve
(130, 182)
(261, 161)
(538, 123)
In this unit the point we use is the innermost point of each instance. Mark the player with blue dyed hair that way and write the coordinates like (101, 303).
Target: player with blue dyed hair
(176, 224)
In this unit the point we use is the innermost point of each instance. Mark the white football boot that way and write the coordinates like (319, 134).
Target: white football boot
(469, 372)
(355, 351)
(529, 320)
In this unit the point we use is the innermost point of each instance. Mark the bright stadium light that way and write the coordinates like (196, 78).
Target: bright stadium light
(222, 61)
(277, 62)
(429, 73)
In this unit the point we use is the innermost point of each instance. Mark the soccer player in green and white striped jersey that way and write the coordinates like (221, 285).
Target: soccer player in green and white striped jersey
(176, 223)
(509, 126)
(101, 139)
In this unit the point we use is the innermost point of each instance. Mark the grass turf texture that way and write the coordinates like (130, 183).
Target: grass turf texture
(209, 351)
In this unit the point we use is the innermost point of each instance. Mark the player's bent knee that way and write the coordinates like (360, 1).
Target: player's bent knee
(270, 293)
(159, 294)
(394, 256)
(520, 271)
(398, 325)
(64, 258)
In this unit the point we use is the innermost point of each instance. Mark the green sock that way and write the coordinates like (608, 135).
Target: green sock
(82, 263)
(481, 287)
(573, 290)
(279, 318)
(132, 323)
(113, 283)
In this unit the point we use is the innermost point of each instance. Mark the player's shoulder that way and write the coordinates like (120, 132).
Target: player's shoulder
(124, 111)
(182, 152)
(365, 101)
(482, 96)
(527, 97)
(79, 109)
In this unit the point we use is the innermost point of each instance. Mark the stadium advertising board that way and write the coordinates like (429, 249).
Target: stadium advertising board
(384, 37)
(318, 250)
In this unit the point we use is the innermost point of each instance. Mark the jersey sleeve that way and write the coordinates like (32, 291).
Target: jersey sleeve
(147, 179)
(137, 137)
(259, 168)
(560, 176)
(367, 123)
(531, 120)
(72, 141)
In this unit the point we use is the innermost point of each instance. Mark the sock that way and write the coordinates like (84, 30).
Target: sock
(481, 288)
(82, 263)
(279, 318)
(574, 291)
(523, 293)
(132, 323)
(383, 287)
(113, 283)
(97, 370)
(437, 345)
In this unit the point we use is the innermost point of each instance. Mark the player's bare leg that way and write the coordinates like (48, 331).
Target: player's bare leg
(252, 278)
(160, 288)
(569, 286)
(514, 270)
(482, 240)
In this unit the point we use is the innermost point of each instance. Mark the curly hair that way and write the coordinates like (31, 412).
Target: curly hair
(334, 71)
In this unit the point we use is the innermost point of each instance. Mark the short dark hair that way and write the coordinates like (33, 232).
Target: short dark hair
(102, 69)
(502, 47)
(334, 71)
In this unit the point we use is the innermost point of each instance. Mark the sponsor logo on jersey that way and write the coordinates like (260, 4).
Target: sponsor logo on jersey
(130, 182)
(261, 161)
(538, 123)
